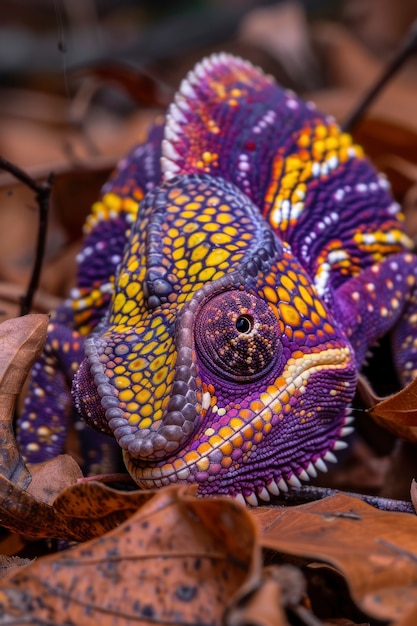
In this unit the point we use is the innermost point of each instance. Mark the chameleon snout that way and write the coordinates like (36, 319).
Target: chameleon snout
(144, 392)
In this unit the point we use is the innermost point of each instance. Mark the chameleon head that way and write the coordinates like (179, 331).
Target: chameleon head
(217, 362)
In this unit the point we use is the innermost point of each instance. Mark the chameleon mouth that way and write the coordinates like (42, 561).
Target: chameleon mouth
(271, 488)
(226, 455)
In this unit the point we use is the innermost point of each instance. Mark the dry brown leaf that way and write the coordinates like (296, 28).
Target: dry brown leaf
(178, 560)
(375, 550)
(90, 509)
(9, 564)
(398, 413)
(28, 496)
(262, 601)
(21, 342)
(142, 86)
(410, 619)
(51, 477)
(80, 512)
(413, 492)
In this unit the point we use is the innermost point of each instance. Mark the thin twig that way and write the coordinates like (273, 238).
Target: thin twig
(42, 194)
(407, 48)
(307, 493)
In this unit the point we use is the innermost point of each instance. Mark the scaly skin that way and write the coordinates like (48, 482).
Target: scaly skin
(235, 272)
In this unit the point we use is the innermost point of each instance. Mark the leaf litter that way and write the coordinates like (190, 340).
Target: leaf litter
(166, 557)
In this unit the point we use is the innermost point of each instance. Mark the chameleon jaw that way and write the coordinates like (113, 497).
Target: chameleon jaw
(276, 468)
(272, 488)
(275, 488)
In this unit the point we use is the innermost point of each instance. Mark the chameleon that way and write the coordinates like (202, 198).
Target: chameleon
(235, 270)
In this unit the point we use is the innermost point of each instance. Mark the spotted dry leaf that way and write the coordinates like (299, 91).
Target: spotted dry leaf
(28, 495)
(178, 560)
(21, 342)
(375, 550)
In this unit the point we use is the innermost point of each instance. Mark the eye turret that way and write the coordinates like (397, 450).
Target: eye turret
(237, 336)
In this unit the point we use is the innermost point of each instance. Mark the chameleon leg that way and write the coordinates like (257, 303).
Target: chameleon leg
(43, 425)
(381, 298)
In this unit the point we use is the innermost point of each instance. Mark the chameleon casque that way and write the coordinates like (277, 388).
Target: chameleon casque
(234, 273)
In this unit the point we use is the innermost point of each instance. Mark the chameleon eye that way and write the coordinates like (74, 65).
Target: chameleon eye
(237, 336)
(244, 324)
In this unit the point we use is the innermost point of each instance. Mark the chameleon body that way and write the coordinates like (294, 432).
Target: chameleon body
(238, 266)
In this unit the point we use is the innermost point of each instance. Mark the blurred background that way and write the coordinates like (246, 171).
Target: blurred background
(81, 80)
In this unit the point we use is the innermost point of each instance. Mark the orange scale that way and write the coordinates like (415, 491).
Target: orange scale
(225, 432)
(238, 441)
(289, 332)
(257, 438)
(287, 282)
(299, 336)
(226, 448)
(245, 414)
(284, 397)
(315, 318)
(248, 433)
(307, 326)
(226, 462)
(257, 406)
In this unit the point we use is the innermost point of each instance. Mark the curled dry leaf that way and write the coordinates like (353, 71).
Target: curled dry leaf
(413, 492)
(51, 477)
(179, 559)
(21, 342)
(398, 413)
(375, 550)
(80, 512)
(9, 564)
(28, 495)
(262, 601)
